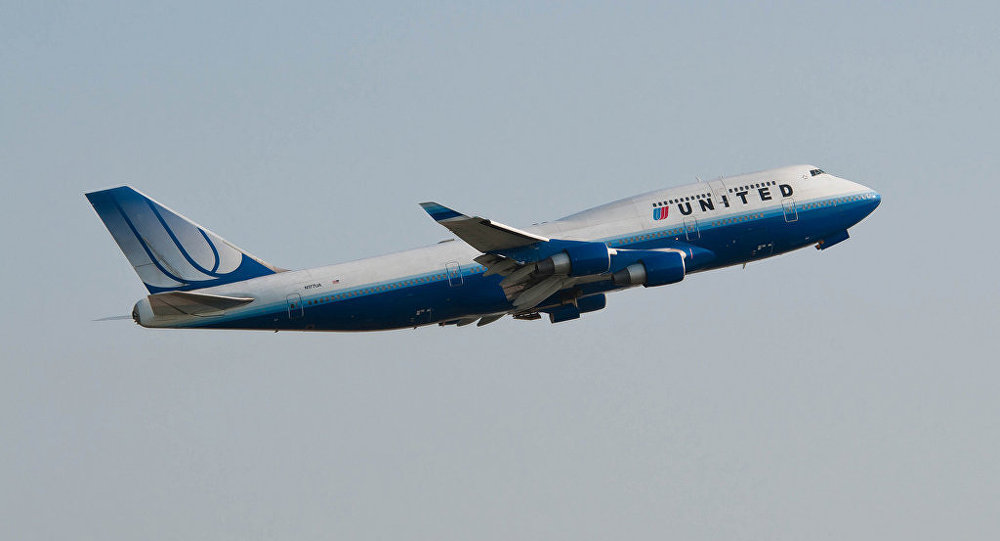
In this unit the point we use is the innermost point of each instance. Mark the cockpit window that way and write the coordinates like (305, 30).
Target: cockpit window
(815, 172)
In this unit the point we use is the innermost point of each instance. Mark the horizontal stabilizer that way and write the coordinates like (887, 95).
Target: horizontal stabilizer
(179, 303)
(480, 233)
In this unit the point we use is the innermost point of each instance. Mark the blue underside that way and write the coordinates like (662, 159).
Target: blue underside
(439, 298)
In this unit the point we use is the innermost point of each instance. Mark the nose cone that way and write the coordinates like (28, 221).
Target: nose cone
(871, 202)
(875, 201)
(869, 199)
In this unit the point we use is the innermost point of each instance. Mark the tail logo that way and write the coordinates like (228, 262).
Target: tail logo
(168, 251)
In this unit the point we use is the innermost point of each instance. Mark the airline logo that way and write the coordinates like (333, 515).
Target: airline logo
(706, 203)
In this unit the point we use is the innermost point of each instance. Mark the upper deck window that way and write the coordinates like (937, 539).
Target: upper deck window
(815, 172)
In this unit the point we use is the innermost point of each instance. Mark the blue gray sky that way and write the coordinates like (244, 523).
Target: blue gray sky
(849, 394)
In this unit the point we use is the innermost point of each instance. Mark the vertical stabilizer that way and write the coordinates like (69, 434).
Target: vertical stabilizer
(168, 251)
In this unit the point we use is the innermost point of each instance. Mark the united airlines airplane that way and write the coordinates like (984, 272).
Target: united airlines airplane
(562, 268)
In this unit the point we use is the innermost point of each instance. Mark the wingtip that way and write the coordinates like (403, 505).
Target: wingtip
(438, 211)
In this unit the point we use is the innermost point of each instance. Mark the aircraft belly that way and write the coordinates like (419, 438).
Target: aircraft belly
(402, 308)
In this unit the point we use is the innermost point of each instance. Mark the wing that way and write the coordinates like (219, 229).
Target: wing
(508, 252)
(550, 275)
(480, 233)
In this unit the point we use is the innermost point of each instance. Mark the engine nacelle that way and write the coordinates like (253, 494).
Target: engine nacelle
(580, 260)
(569, 312)
(654, 269)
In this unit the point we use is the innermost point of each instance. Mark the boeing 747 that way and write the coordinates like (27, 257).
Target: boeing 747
(563, 268)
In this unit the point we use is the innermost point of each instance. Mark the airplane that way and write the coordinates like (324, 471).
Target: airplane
(563, 268)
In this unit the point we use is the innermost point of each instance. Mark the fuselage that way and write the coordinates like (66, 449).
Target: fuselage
(723, 222)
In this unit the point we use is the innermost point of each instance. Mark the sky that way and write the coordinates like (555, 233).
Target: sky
(849, 393)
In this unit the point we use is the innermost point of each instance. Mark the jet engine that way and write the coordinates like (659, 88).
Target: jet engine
(652, 269)
(583, 259)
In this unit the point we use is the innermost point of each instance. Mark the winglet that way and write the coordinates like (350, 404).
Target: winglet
(440, 212)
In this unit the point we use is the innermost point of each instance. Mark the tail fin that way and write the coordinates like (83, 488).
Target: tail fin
(168, 251)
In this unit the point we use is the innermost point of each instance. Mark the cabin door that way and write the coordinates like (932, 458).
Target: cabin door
(294, 302)
(454, 272)
(788, 206)
(691, 231)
